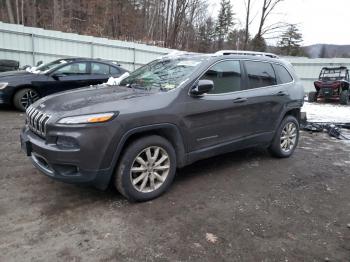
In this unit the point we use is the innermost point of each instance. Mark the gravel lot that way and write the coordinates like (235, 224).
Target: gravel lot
(244, 206)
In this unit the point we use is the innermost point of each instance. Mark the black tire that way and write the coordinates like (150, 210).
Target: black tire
(312, 97)
(20, 96)
(123, 177)
(276, 146)
(344, 97)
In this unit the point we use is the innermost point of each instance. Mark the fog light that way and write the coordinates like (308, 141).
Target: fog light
(67, 142)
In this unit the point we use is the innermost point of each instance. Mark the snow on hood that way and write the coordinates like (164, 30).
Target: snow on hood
(116, 81)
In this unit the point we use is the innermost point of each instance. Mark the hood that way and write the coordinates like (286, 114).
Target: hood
(15, 77)
(89, 100)
(14, 73)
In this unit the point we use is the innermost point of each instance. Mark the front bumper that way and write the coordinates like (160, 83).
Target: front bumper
(5, 98)
(66, 165)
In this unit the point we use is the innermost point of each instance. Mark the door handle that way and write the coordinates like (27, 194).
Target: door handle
(240, 100)
(282, 93)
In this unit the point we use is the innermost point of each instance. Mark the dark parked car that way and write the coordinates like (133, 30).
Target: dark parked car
(22, 88)
(333, 84)
(165, 115)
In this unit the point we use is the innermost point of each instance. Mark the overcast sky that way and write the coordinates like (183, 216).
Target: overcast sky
(320, 21)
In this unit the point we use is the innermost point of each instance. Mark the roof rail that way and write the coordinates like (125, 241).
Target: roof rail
(238, 52)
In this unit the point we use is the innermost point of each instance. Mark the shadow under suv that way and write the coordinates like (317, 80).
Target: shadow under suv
(165, 115)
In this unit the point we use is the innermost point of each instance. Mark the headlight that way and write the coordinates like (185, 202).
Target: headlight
(87, 119)
(3, 85)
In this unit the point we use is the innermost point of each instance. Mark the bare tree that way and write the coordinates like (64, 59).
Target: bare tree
(247, 23)
(267, 8)
(9, 12)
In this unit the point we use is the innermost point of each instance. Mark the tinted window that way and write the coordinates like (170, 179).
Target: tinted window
(283, 75)
(260, 74)
(226, 76)
(73, 69)
(114, 70)
(99, 69)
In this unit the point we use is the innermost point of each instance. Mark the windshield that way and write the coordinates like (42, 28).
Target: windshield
(164, 74)
(333, 74)
(47, 67)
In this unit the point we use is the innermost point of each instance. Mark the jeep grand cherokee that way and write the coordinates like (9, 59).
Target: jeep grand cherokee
(165, 115)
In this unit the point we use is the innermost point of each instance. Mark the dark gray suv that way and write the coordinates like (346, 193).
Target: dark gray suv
(165, 115)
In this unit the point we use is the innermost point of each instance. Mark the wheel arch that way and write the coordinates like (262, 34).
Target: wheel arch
(168, 131)
(293, 112)
(289, 111)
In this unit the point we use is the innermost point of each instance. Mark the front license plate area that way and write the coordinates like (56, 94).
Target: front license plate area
(26, 147)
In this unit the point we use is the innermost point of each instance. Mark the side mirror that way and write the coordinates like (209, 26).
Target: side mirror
(57, 76)
(39, 63)
(202, 87)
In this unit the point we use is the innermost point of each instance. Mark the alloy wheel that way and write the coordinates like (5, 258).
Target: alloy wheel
(288, 137)
(29, 98)
(150, 169)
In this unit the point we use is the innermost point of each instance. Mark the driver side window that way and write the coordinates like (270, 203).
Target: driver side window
(226, 76)
(73, 69)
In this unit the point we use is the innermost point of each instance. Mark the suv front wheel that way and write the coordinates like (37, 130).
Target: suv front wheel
(146, 169)
(286, 138)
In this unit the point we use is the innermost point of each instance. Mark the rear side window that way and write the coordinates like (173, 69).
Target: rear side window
(283, 75)
(226, 76)
(260, 74)
(99, 69)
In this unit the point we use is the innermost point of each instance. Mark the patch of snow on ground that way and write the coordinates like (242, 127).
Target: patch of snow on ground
(335, 113)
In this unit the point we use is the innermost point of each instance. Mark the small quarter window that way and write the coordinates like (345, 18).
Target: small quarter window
(260, 74)
(226, 76)
(113, 70)
(283, 75)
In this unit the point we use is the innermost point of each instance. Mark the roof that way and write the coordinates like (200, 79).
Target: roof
(249, 53)
(115, 63)
(335, 68)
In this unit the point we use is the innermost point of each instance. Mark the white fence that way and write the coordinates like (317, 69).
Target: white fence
(29, 45)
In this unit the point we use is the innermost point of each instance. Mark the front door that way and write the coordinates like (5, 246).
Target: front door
(71, 76)
(222, 115)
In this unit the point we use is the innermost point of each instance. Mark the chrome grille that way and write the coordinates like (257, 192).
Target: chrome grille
(37, 121)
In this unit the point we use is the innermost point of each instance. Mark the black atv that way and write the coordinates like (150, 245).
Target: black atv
(332, 84)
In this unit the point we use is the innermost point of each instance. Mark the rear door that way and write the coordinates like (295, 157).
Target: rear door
(100, 72)
(266, 96)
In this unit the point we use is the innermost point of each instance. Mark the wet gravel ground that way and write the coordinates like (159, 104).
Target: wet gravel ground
(243, 206)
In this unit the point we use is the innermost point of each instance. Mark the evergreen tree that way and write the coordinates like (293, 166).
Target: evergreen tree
(206, 36)
(289, 44)
(224, 22)
(258, 43)
(236, 39)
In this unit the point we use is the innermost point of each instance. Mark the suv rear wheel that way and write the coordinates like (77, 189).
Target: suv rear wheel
(344, 97)
(286, 138)
(24, 98)
(146, 169)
